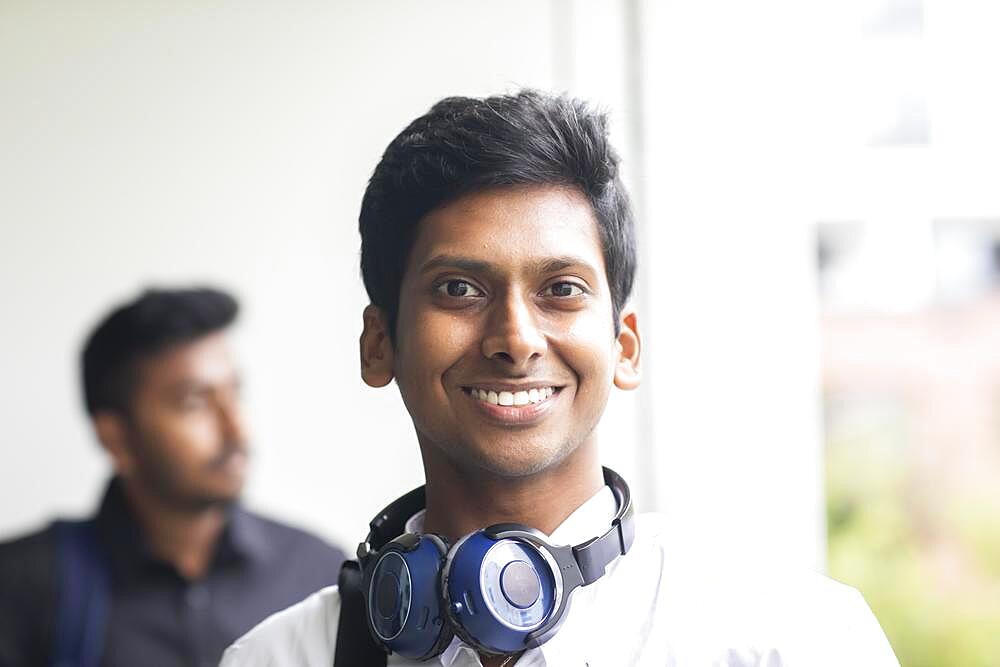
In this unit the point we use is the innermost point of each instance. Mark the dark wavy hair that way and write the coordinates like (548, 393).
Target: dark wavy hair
(466, 144)
(155, 321)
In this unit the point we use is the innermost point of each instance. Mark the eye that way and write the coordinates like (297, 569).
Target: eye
(563, 289)
(458, 289)
(190, 402)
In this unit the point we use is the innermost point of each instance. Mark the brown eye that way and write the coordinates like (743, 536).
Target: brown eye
(458, 289)
(564, 289)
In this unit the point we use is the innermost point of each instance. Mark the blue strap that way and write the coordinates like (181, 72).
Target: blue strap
(84, 591)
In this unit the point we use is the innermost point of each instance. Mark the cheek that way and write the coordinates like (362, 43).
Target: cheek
(591, 349)
(591, 360)
(429, 346)
(188, 437)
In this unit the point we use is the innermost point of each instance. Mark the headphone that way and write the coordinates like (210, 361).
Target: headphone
(501, 589)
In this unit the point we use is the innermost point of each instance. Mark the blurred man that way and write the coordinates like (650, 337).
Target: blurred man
(171, 569)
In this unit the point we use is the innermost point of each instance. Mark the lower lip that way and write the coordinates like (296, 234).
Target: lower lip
(515, 415)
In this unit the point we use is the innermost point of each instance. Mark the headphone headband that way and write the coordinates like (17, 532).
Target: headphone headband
(595, 554)
(592, 556)
(390, 523)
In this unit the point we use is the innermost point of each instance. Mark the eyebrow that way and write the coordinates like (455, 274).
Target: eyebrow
(188, 386)
(455, 262)
(548, 265)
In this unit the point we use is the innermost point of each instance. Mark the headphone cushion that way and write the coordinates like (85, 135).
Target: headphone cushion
(486, 580)
(402, 601)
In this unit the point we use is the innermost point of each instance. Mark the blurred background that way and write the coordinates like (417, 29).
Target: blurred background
(816, 184)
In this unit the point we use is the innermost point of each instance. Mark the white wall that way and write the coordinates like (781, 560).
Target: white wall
(231, 143)
(730, 280)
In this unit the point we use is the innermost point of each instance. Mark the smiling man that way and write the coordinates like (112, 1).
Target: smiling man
(498, 251)
(171, 569)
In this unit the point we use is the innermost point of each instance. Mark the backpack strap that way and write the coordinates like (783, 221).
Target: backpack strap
(84, 595)
(355, 644)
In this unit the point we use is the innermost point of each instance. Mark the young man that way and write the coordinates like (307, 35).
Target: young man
(171, 569)
(498, 252)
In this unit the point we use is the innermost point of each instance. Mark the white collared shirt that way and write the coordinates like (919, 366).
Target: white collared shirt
(634, 615)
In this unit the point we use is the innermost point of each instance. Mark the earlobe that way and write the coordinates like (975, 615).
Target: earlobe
(376, 348)
(627, 375)
(112, 432)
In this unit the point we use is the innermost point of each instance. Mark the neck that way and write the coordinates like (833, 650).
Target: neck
(460, 500)
(185, 538)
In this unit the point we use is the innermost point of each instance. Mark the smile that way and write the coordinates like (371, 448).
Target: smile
(511, 406)
(506, 398)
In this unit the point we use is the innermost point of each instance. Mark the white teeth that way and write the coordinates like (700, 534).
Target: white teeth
(513, 398)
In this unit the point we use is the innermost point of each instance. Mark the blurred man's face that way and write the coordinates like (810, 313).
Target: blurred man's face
(185, 432)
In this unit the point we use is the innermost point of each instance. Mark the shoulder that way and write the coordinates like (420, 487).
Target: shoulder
(27, 597)
(27, 544)
(703, 611)
(290, 539)
(808, 618)
(303, 634)
(27, 559)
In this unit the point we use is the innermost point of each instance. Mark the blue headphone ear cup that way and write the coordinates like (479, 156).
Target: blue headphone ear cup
(402, 600)
(486, 580)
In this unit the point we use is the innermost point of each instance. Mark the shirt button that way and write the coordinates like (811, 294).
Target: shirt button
(197, 597)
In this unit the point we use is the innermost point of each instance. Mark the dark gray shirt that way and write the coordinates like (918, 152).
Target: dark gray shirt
(157, 617)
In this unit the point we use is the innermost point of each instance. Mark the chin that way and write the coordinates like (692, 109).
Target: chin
(217, 502)
(516, 462)
(216, 495)
(228, 496)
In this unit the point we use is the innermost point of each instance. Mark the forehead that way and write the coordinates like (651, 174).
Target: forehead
(512, 226)
(205, 360)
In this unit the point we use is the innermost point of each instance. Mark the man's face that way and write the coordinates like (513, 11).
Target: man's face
(186, 440)
(505, 349)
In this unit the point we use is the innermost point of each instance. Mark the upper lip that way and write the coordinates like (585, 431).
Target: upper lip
(512, 387)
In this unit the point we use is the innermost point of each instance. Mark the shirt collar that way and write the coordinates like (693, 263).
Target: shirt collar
(591, 519)
(126, 547)
(244, 537)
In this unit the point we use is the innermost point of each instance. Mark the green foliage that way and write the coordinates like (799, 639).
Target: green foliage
(927, 560)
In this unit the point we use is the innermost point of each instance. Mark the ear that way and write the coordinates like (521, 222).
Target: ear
(112, 431)
(376, 348)
(627, 375)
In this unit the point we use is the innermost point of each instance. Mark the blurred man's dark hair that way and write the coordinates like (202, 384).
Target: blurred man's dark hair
(156, 320)
(463, 145)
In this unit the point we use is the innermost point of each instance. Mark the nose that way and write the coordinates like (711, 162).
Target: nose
(513, 335)
(231, 421)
